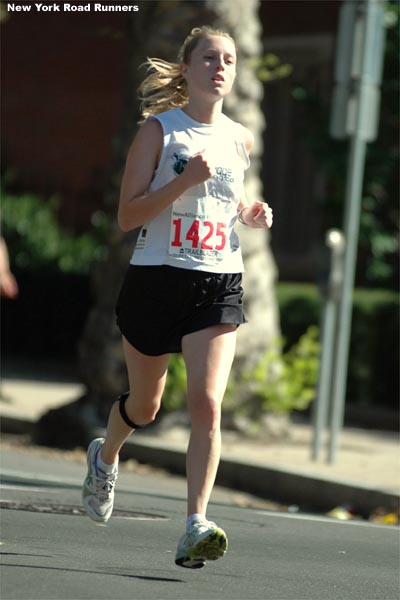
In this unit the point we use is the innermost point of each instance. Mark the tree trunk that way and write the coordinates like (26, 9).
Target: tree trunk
(241, 19)
(158, 30)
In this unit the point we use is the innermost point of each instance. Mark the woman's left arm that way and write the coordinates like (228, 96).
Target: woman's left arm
(258, 214)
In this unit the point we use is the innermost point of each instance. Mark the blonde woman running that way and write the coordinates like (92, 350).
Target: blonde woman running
(183, 185)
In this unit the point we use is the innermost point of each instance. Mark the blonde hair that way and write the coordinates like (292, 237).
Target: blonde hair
(165, 87)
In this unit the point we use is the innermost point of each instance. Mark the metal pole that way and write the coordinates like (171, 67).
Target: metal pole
(334, 241)
(356, 160)
(352, 217)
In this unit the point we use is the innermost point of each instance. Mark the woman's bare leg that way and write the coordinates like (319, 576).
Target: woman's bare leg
(147, 375)
(208, 356)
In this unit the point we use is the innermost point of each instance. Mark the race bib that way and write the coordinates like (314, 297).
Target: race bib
(200, 234)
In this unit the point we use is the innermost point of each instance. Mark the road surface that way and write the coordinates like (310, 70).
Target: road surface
(51, 551)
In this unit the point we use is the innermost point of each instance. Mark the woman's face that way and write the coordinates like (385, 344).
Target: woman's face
(212, 67)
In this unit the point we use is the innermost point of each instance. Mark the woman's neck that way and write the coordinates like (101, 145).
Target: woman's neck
(203, 113)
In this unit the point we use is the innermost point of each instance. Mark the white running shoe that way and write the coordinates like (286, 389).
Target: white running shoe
(98, 487)
(203, 541)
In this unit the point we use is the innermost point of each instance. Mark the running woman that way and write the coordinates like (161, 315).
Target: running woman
(183, 185)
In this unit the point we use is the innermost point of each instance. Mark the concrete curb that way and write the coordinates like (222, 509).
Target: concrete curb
(11, 424)
(307, 490)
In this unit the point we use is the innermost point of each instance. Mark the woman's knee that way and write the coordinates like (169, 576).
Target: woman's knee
(206, 412)
(141, 412)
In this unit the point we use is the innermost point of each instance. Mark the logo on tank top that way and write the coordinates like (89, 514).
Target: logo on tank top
(221, 173)
(224, 174)
(180, 163)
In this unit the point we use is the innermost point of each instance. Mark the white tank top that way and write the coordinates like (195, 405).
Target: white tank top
(197, 230)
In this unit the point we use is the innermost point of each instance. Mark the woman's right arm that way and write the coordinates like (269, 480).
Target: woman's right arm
(136, 204)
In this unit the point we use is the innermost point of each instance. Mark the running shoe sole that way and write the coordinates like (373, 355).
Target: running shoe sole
(211, 547)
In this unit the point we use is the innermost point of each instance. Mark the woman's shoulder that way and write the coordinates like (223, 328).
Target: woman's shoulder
(165, 116)
(161, 121)
(243, 133)
(150, 126)
(148, 134)
(248, 138)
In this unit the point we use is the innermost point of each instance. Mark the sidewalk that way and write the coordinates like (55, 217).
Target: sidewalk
(366, 474)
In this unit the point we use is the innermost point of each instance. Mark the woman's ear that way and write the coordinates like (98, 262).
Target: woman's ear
(183, 69)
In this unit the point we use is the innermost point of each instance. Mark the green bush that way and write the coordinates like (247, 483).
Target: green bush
(175, 387)
(36, 241)
(284, 381)
(280, 382)
(300, 306)
(290, 387)
(374, 347)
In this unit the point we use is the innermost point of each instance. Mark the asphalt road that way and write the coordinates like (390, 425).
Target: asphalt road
(51, 551)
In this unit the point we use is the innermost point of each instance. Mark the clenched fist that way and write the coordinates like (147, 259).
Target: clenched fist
(198, 169)
(258, 215)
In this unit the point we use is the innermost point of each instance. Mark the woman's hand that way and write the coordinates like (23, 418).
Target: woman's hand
(198, 169)
(259, 215)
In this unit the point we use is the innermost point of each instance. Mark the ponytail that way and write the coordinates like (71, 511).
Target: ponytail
(163, 88)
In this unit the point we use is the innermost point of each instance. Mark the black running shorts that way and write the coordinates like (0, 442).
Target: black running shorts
(158, 305)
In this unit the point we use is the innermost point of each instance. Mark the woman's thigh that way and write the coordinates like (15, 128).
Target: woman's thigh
(208, 356)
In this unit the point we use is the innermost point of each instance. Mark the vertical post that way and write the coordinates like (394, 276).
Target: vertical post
(367, 26)
(354, 187)
(335, 241)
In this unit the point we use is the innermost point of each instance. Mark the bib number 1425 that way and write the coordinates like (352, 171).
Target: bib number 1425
(200, 234)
